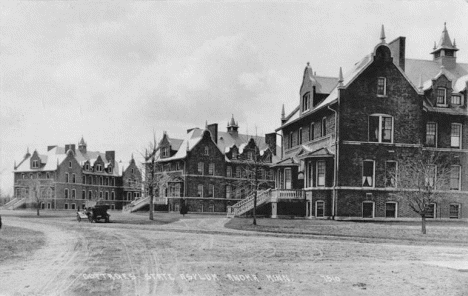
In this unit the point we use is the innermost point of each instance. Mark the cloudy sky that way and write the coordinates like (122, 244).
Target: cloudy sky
(113, 73)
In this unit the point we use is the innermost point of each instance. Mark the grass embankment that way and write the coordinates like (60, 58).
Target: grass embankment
(16, 243)
(437, 231)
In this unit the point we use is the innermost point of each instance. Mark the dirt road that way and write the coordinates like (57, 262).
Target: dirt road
(201, 257)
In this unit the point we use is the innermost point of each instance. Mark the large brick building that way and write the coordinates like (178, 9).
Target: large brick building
(349, 133)
(67, 177)
(211, 169)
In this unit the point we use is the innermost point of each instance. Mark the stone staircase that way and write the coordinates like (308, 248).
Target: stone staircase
(136, 205)
(247, 204)
(14, 203)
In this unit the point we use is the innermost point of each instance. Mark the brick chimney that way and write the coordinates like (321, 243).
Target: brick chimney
(213, 128)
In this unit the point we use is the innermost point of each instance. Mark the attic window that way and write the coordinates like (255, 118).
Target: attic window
(234, 154)
(69, 164)
(35, 164)
(87, 166)
(456, 100)
(442, 96)
(99, 168)
(207, 150)
(110, 169)
(381, 86)
(449, 53)
(165, 152)
(306, 102)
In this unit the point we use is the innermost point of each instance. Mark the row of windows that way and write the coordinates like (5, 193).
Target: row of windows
(296, 138)
(92, 180)
(381, 129)
(90, 194)
(132, 195)
(391, 210)
(98, 167)
(39, 175)
(441, 101)
(249, 173)
(391, 175)
(316, 176)
(455, 135)
(230, 191)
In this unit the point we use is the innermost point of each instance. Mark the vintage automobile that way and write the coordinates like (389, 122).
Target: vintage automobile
(95, 213)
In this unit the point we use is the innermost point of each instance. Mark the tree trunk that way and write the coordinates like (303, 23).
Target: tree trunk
(151, 216)
(254, 209)
(38, 206)
(423, 224)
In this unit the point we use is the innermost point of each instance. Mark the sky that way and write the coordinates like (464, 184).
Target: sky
(115, 73)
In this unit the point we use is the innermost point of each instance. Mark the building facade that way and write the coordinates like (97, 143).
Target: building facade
(66, 178)
(210, 170)
(349, 135)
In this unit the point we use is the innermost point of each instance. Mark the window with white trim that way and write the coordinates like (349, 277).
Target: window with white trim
(454, 211)
(455, 138)
(35, 164)
(455, 177)
(228, 171)
(391, 169)
(456, 100)
(287, 178)
(441, 96)
(228, 191)
(430, 175)
(211, 169)
(431, 134)
(311, 131)
(201, 168)
(381, 86)
(380, 128)
(73, 178)
(200, 190)
(66, 178)
(320, 173)
(99, 167)
(207, 150)
(368, 173)
(238, 172)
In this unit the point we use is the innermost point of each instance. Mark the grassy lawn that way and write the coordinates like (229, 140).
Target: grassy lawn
(16, 243)
(139, 218)
(454, 232)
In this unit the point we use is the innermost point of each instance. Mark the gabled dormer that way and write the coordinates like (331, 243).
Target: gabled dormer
(445, 51)
(307, 92)
(441, 89)
(87, 166)
(99, 165)
(35, 161)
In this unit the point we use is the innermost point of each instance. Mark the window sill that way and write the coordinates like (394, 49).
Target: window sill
(442, 105)
(382, 96)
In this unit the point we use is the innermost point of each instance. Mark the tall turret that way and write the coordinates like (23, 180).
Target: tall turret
(445, 51)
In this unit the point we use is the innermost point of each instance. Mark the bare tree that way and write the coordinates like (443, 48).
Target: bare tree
(155, 177)
(422, 179)
(254, 166)
(40, 192)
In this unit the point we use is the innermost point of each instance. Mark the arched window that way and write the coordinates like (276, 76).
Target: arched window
(66, 193)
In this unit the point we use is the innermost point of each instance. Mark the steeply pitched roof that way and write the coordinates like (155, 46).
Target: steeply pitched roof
(226, 140)
(57, 155)
(428, 70)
